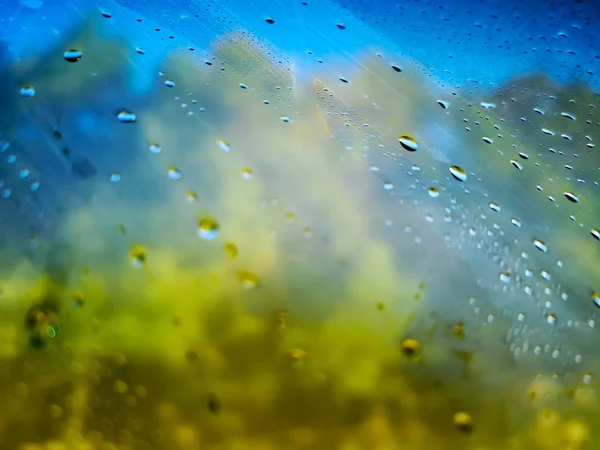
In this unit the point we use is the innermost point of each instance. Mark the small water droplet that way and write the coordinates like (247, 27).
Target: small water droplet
(248, 280)
(27, 91)
(247, 174)
(155, 148)
(126, 116)
(434, 192)
(286, 119)
(137, 256)
(208, 229)
(516, 164)
(411, 348)
(191, 196)
(494, 207)
(596, 233)
(231, 250)
(505, 277)
(223, 145)
(596, 298)
(174, 173)
(463, 422)
(540, 245)
(388, 186)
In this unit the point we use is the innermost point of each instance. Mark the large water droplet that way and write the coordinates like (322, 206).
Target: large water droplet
(408, 142)
(458, 173)
(571, 197)
(72, 55)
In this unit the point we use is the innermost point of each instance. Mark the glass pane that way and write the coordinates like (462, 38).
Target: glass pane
(299, 224)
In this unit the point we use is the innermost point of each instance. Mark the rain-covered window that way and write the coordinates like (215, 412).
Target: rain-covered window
(321, 224)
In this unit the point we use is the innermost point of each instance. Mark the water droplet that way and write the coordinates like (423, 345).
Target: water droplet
(155, 148)
(596, 298)
(114, 177)
(458, 173)
(243, 86)
(126, 116)
(411, 348)
(443, 104)
(596, 233)
(174, 173)
(223, 145)
(459, 331)
(516, 222)
(270, 21)
(248, 280)
(191, 196)
(545, 275)
(137, 256)
(463, 422)
(208, 229)
(494, 207)
(395, 68)
(388, 186)
(551, 318)
(571, 197)
(231, 250)
(169, 83)
(286, 119)
(27, 91)
(434, 192)
(247, 174)
(516, 164)
(408, 142)
(568, 115)
(72, 55)
(505, 277)
(540, 245)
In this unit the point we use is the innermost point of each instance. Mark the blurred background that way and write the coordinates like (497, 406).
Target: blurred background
(299, 224)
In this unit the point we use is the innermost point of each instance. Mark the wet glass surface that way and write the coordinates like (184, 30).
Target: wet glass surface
(304, 225)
